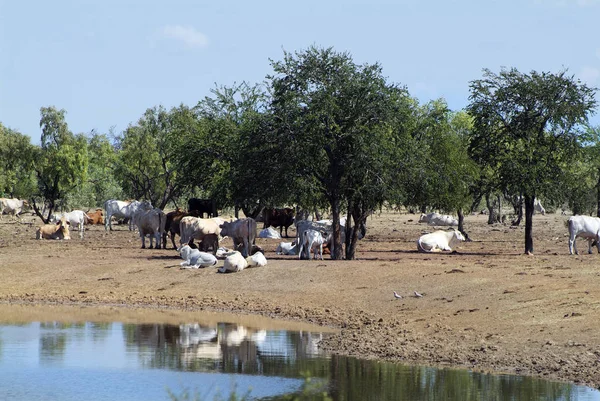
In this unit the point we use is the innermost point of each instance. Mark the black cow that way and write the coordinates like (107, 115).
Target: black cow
(197, 207)
(278, 218)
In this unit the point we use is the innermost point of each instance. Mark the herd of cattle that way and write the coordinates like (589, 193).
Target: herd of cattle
(313, 238)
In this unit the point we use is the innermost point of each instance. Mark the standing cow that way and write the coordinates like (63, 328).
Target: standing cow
(12, 206)
(172, 226)
(243, 232)
(197, 207)
(585, 227)
(312, 240)
(282, 218)
(123, 209)
(191, 228)
(76, 218)
(150, 223)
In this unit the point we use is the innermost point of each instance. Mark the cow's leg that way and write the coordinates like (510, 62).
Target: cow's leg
(590, 241)
(143, 238)
(321, 250)
(572, 245)
(246, 247)
(157, 238)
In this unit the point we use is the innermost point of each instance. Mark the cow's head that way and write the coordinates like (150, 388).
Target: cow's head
(62, 225)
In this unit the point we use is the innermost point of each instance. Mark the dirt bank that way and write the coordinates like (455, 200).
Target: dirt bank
(487, 307)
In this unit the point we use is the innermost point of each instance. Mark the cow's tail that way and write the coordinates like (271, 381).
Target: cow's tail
(87, 218)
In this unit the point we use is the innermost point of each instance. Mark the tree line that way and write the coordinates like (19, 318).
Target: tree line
(325, 132)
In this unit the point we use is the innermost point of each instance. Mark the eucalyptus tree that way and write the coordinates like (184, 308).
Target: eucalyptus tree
(145, 165)
(17, 177)
(527, 128)
(60, 163)
(333, 123)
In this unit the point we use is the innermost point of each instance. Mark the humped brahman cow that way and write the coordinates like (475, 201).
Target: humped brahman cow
(243, 232)
(439, 241)
(234, 263)
(12, 206)
(191, 227)
(436, 219)
(585, 227)
(194, 258)
(59, 230)
(150, 223)
(312, 240)
(77, 219)
(123, 209)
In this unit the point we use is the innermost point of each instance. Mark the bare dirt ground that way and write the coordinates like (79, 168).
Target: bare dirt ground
(486, 307)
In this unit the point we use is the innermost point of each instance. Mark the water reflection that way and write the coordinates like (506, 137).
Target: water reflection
(98, 361)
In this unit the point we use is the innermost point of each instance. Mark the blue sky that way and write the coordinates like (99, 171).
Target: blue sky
(106, 62)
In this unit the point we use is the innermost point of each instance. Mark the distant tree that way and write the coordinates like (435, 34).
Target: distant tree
(332, 120)
(145, 164)
(60, 163)
(17, 177)
(526, 128)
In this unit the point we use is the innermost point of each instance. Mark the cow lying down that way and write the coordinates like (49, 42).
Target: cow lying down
(60, 230)
(438, 241)
(194, 259)
(236, 262)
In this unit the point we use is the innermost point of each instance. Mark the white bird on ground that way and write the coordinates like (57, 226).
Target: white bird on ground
(396, 295)
(418, 295)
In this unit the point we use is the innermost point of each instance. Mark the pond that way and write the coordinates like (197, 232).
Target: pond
(212, 356)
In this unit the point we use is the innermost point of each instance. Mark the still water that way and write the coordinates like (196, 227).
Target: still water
(123, 361)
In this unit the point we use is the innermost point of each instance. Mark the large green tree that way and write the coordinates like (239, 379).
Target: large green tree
(17, 177)
(60, 163)
(527, 127)
(333, 123)
(146, 159)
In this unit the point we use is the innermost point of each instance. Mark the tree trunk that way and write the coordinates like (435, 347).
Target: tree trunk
(491, 211)
(461, 228)
(336, 251)
(529, 200)
(499, 208)
(598, 195)
(359, 217)
(518, 208)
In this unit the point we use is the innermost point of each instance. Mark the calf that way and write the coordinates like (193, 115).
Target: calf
(258, 259)
(59, 230)
(210, 242)
(585, 227)
(312, 241)
(439, 241)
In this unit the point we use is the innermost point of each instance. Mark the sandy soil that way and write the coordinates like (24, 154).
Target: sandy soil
(486, 307)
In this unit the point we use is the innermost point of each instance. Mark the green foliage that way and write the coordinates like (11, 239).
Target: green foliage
(332, 119)
(145, 167)
(17, 177)
(61, 162)
(527, 129)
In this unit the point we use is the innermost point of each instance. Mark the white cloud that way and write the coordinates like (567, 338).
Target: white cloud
(589, 75)
(187, 34)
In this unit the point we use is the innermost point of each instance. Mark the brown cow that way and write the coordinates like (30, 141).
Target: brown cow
(96, 217)
(60, 230)
(278, 218)
(172, 226)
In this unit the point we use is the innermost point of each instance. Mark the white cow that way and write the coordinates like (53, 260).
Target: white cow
(287, 248)
(194, 258)
(312, 241)
(12, 206)
(436, 219)
(77, 218)
(191, 227)
(325, 227)
(537, 207)
(150, 223)
(234, 263)
(269, 232)
(123, 209)
(439, 241)
(258, 259)
(585, 227)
